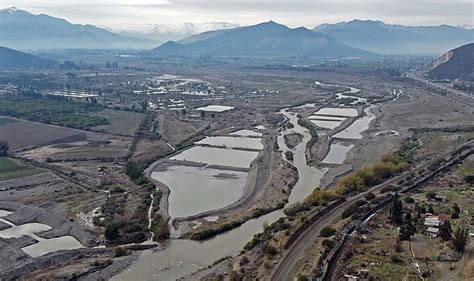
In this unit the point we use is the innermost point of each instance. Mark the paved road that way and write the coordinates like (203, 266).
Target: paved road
(292, 255)
(441, 86)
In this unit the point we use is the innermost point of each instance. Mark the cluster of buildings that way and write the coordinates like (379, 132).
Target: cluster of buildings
(433, 224)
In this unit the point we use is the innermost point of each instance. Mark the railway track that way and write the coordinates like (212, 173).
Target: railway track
(297, 249)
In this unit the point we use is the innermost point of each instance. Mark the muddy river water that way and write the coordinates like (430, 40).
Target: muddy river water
(179, 258)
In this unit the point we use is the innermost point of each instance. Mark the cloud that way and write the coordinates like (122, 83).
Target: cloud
(290, 12)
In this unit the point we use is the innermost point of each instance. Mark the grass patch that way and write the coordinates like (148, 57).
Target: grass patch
(6, 121)
(120, 122)
(12, 169)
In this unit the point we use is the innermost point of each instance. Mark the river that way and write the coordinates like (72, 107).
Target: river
(179, 257)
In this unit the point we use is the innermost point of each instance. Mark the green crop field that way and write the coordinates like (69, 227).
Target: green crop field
(12, 169)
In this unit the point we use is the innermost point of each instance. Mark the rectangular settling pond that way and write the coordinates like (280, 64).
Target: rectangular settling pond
(218, 156)
(233, 142)
(194, 190)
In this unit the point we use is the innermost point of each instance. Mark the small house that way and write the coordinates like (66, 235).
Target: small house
(436, 221)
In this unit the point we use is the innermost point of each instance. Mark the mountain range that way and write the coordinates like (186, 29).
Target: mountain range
(166, 32)
(391, 39)
(268, 39)
(14, 59)
(25, 31)
(455, 64)
(22, 30)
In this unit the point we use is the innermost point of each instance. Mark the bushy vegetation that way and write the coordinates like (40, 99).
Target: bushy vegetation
(267, 234)
(211, 232)
(54, 110)
(388, 166)
(312, 131)
(352, 209)
(469, 179)
(296, 208)
(327, 232)
(208, 233)
(321, 197)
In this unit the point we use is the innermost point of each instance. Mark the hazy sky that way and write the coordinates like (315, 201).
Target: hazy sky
(290, 12)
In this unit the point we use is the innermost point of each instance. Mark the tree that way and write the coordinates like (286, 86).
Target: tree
(445, 231)
(407, 229)
(327, 231)
(469, 179)
(112, 231)
(460, 239)
(203, 114)
(396, 211)
(456, 211)
(4, 147)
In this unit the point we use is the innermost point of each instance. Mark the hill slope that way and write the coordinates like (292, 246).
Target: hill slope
(376, 36)
(455, 64)
(267, 39)
(22, 30)
(10, 58)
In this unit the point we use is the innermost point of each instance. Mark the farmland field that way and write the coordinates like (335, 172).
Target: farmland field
(120, 122)
(11, 169)
(6, 121)
(25, 134)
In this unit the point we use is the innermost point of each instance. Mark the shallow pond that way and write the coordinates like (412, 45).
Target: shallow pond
(218, 156)
(248, 133)
(347, 112)
(355, 130)
(17, 231)
(215, 108)
(326, 124)
(195, 190)
(45, 246)
(337, 153)
(4, 213)
(233, 142)
(325, 117)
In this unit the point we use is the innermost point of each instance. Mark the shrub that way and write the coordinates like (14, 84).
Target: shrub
(352, 209)
(469, 179)
(386, 167)
(369, 196)
(321, 197)
(270, 250)
(409, 199)
(112, 231)
(295, 208)
(327, 243)
(396, 259)
(431, 195)
(327, 231)
(119, 252)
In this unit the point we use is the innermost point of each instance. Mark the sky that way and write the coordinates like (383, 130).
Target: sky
(309, 13)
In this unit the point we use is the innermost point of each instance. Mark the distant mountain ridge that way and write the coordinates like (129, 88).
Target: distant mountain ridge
(13, 59)
(268, 39)
(455, 64)
(22, 30)
(388, 39)
(167, 32)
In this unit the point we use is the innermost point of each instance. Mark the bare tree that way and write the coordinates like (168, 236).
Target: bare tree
(4, 147)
